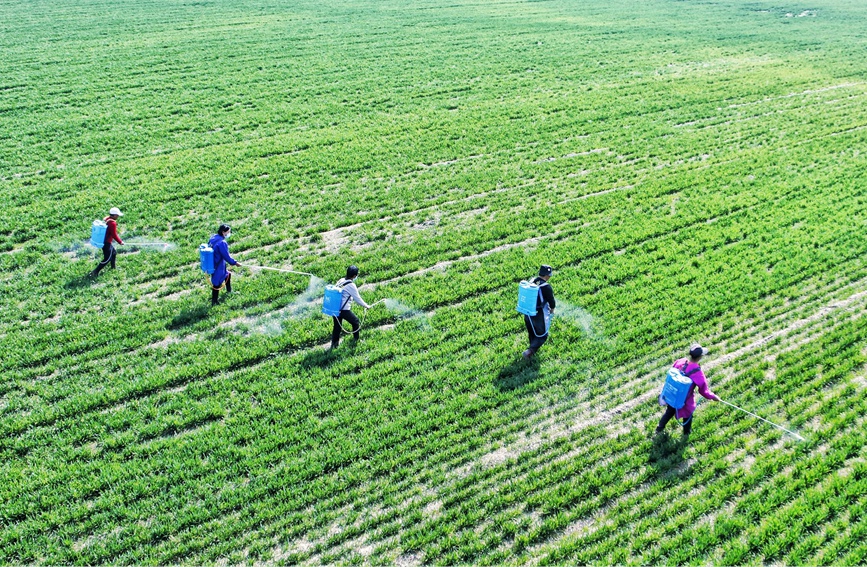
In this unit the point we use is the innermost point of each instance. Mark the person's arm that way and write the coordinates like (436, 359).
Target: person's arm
(225, 251)
(112, 232)
(548, 296)
(702, 386)
(352, 290)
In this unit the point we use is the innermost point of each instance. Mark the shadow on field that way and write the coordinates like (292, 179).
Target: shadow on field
(79, 282)
(666, 456)
(189, 317)
(518, 373)
(322, 358)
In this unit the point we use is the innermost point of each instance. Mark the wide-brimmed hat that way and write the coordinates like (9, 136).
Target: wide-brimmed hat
(115, 211)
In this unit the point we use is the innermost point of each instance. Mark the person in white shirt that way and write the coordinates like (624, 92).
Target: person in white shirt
(350, 294)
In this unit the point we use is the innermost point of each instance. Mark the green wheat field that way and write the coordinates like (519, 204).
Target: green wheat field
(693, 171)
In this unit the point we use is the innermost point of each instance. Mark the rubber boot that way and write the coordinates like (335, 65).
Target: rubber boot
(215, 296)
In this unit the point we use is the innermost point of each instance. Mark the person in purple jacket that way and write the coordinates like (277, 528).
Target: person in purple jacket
(222, 275)
(691, 368)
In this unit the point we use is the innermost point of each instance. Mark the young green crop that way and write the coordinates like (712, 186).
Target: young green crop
(692, 172)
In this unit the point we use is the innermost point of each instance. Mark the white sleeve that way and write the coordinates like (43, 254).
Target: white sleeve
(352, 290)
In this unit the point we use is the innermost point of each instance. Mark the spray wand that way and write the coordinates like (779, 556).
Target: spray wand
(765, 420)
(278, 270)
(163, 244)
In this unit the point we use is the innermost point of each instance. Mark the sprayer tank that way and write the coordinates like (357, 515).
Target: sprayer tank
(528, 293)
(97, 233)
(676, 388)
(332, 300)
(206, 258)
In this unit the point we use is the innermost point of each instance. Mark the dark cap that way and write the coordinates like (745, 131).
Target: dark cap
(696, 350)
(545, 270)
(351, 272)
(223, 228)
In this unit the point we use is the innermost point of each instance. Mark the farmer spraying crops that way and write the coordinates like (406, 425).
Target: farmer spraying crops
(221, 277)
(677, 394)
(109, 254)
(539, 323)
(349, 293)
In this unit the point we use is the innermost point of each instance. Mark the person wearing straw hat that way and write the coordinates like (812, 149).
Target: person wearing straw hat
(348, 295)
(690, 368)
(109, 254)
(538, 324)
(221, 277)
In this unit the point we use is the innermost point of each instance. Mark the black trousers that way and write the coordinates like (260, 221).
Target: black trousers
(109, 254)
(536, 326)
(345, 315)
(215, 291)
(666, 417)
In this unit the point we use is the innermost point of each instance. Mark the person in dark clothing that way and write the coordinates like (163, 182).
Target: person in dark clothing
(538, 324)
(109, 254)
(221, 276)
(348, 295)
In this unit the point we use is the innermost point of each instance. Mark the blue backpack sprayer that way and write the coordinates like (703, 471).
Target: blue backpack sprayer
(528, 294)
(332, 301)
(97, 233)
(677, 386)
(206, 259)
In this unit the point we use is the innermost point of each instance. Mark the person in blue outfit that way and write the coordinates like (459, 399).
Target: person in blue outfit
(221, 276)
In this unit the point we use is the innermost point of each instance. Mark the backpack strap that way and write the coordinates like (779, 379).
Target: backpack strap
(688, 374)
(691, 372)
(340, 283)
(541, 284)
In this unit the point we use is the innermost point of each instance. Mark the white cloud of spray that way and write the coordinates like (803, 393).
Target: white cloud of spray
(148, 245)
(574, 315)
(75, 248)
(309, 301)
(404, 311)
(81, 249)
(305, 306)
(308, 305)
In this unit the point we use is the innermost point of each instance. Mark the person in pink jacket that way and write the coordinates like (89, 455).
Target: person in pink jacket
(691, 368)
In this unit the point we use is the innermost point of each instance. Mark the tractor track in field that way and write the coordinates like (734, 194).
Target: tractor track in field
(800, 93)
